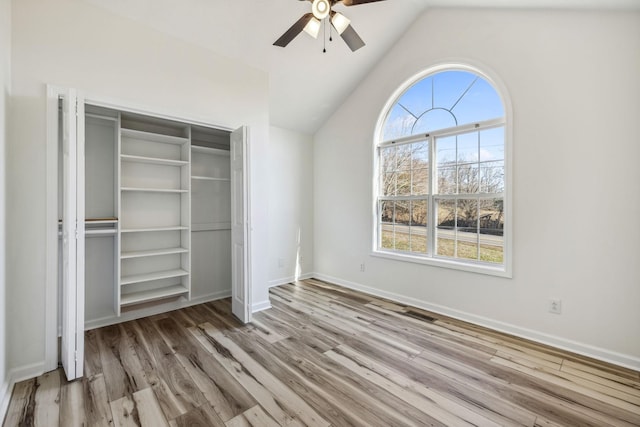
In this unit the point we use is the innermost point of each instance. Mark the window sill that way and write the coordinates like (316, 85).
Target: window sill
(499, 271)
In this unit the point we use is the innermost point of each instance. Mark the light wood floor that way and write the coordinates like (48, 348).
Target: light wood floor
(324, 356)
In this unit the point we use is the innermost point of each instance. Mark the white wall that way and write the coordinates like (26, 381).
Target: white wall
(5, 79)
(73, 44)
(290, 205)
(573, 81)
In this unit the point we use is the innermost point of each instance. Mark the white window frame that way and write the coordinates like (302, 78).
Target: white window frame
(501, 270)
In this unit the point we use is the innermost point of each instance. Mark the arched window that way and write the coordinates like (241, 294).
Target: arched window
(441, 185)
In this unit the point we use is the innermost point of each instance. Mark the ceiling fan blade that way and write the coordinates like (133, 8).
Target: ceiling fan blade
(357, 2)
(352, 39)
(292, 32)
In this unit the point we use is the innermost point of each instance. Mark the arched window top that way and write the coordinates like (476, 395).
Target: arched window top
(442, 100)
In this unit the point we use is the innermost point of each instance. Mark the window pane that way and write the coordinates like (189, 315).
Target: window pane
(419, 226)
(481, 102)
(420, 154)
(442, 100)
(492, 177)
(492, 230)
(446, 222)
(446, 150)
(492, 144)
(467, 223)
(399, 123)
(404, 183)
(468, 148)
(389, 184)
(447, 180)
(402, 221)
(468, 178)
(403, 156)
(386, 226)
(450, 86)
(419, 182)
(388, 159)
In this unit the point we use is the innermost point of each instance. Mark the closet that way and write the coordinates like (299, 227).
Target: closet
(145, 208)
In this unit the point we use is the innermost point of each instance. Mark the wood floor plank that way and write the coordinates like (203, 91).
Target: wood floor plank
(335, 406)
(92, 362)
(149, 409)
(204, 416)
(564, 382)
(96, 402)
(274, 396)
(125, 412)
(122, 370)
(549, 401)
(227, 396)
(324, 355)
(175, 390)
(430, 403)
(47, 408)
(72, 406)
(253, 417)
(390, 409)
(22, 405)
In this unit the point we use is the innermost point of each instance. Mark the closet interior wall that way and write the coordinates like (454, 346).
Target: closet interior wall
(157, 202)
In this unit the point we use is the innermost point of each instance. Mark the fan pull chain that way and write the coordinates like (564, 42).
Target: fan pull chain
(324, 37)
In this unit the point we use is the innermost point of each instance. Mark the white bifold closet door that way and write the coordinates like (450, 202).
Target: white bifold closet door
(240, 295)
(73, 235)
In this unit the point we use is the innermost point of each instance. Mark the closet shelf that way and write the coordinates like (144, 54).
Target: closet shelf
(209, 178)
(156, 275)
(96, 221)
(150, 229)
(99, 231)
(154, 137)
(209, 150)
(152, 295)
(150, 253)
(152, 160)
(154, 190)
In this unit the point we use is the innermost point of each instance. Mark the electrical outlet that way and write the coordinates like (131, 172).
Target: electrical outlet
(362, 267)
(555, 306)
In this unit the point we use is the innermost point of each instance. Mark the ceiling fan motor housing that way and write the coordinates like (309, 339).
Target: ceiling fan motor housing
(321, 8)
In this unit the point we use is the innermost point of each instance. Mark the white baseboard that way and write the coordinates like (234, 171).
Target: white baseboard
(285, 280)
(15, 376)
(5, 398)
(132, 315)
(260, 306)
(624, 360)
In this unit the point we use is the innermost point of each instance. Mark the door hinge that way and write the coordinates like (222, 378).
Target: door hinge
(75, 356)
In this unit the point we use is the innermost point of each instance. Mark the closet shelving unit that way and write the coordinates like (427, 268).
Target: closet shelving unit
(154, 189)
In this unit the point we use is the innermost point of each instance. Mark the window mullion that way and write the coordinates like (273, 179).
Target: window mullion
(431, 234)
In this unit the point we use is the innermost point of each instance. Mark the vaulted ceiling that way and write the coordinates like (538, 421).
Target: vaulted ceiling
(306, 85)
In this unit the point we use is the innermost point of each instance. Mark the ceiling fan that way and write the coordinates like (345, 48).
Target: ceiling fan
(320, 9)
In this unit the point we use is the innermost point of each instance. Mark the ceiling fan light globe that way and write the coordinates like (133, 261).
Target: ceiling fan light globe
(340, 22)
(312, 28)
(321, 8)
